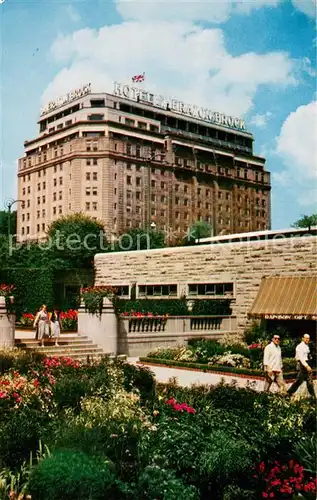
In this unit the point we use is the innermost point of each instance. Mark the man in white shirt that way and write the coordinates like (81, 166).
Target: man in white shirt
(273, 365)
(304, 371)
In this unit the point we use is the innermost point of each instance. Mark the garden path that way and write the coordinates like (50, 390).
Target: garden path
(187, 378)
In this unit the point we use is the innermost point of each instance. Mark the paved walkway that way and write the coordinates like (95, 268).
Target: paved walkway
(188, 378)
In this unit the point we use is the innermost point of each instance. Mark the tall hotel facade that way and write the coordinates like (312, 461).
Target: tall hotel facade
(132, 158)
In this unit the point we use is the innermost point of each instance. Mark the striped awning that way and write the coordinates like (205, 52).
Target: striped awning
(286, 298)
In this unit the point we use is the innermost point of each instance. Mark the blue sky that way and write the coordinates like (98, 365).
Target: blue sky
(250, 58)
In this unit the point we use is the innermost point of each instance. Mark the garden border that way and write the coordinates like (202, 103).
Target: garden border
(196, 367)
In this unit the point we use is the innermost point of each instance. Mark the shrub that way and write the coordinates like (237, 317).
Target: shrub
(229, 359)
(139, 378)
(254, 332)
(67, 475)
(19, 359)
(289, 364)
(211, 307)
(306, 451)
(233, 339)
(172, 307)
(157, 483)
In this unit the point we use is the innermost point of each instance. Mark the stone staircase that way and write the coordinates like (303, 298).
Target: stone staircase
(70, 344)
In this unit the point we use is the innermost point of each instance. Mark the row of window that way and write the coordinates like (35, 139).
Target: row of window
(171, 290)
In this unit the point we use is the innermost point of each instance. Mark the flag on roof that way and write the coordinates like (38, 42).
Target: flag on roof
(138, 78)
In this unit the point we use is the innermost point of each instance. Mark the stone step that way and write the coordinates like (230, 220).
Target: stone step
(50, 343)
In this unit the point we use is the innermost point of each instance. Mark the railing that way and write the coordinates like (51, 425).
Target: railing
(176, 324)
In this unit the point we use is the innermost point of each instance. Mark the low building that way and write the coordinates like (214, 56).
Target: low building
(272, 277)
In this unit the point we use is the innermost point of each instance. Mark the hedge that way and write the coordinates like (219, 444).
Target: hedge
(212, 368)
(176, 307)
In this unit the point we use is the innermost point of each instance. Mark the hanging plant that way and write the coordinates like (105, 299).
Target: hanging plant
(93, 297)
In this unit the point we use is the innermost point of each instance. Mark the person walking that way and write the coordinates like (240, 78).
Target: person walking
(56, 326)
(42, 323)
(273, 366)
(304, 371)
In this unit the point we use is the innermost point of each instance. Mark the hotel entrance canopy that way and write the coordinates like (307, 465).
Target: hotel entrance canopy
(286, 298)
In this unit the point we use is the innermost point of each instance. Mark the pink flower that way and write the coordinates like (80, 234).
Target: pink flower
(3, 394)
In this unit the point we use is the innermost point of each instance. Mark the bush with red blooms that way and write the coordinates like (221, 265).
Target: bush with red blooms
(27, 319)
(93, 297)
(180, 407)
(62, 361)
(7, 290)
(255, 346)
(285, 480)
(69, 319)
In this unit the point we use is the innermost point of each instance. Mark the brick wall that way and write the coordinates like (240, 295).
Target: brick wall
(242, 263)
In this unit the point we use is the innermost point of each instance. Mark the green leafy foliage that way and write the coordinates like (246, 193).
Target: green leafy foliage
(139, 239)
(76, 238)
(67, 475)
(306, 221)
(198, 230)
(157, 483)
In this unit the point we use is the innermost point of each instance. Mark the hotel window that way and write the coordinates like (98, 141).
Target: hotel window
(87, 176)
(152, 184)
(96, 117)
(128, 149)
(39, 187)
(29, 177)
(153, 211)
(94, 176)
(227, 196)
(157, 290)
(94, 191)
(263, 203)
(176, 201)
(23, 217)
(138, 168)
(61, 181)
(115, 206)
(22, 205)
(28, 203)
(61, 168)
(207, 192)
(207, 206)
(177, 215)
(55, 182)
(44, 185)
(43, 199)
(129, 122)
(55, 169)
(87, 191)
(60, 209)
(22, 230)
(199, 204)
(43, 227)
(88, 161)
(87, 205)
(138, 181)
(55, 154)
(199, 191)
(210, 289)
(129, 195)
(129, 182)
(138, 210)
(54, 196)
(220, 221)
(220, 195)
(67, 123)
(177, 188)
(27, 216)
(29, 190)
(28, 230)
(163, 199)
(38, 200)
(61, 150)
(94, 205)
(95, 161)
(38, 228)
(142, 125)
(186, 216)
(43, 213)
(163, 185)
(138, 195)
(54, 210)
(115, 177)
(186, 202)
(228, 208)
(39, 173)
(23, 191)
(60, 195)
(38, 213)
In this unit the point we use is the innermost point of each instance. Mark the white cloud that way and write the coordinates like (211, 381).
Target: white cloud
(296, 145)
(308, 7)
(261, 121)
(180, 59)
(216, 11)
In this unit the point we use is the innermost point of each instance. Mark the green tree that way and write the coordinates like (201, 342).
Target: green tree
(4, 219)
(198, 230)
(140, 239)
(75, 239)
(306, 221)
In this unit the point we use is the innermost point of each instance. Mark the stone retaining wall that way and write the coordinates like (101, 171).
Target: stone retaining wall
(243, 263)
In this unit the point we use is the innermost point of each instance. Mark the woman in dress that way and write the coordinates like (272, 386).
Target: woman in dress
(56, 326)
(42, 322)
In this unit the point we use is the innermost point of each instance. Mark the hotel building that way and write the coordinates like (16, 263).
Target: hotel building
(132, 158)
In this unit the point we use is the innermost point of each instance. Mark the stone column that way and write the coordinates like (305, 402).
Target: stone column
(7, 326)
(102, 328)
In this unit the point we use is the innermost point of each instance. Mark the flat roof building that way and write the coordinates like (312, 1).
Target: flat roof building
(132, 158)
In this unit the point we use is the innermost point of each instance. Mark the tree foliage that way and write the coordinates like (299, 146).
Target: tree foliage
(306, 221)
(76, 238)
(4, 219)
(198, 230)
(139, 239)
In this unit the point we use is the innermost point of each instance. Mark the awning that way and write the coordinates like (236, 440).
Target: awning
(286, 298)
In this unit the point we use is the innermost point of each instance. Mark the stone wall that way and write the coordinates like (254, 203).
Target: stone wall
(243, 263)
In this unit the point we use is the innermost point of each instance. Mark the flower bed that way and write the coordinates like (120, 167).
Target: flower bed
(68, 320)
(107, 430)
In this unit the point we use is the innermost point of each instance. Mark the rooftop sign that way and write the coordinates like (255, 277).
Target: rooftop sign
(171, 104)
(71, 96)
